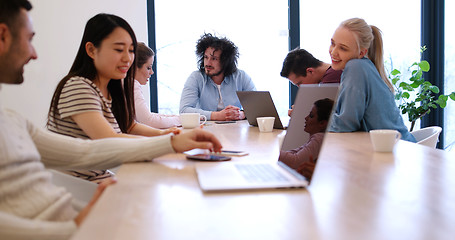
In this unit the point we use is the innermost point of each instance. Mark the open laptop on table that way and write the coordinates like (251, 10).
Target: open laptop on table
(223, 176)
(306, 96)
(259, 104)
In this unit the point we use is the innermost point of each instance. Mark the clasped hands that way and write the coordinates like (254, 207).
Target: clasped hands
(228, 114)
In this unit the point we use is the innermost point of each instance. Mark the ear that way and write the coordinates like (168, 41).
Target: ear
(90, 49)
(363, 52)
(310, 70)
(5, 37)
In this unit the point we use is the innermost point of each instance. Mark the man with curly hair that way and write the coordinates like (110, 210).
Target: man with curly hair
(211, 91)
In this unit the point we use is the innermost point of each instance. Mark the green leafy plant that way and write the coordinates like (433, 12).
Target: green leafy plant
(417, 96)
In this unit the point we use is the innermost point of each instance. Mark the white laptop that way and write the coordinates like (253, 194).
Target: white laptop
(223, 176)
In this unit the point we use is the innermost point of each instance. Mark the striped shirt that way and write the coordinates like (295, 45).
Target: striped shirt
(79, 95)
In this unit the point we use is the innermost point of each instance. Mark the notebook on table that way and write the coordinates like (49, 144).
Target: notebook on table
(224, 176)
(259, 104)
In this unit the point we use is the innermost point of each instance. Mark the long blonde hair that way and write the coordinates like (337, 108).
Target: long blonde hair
(369, 37)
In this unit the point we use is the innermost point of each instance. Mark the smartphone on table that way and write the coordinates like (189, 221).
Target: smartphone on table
(232, 153)
(224, 122)
(208, 157)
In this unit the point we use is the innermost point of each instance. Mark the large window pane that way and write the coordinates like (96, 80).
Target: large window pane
(258, 28)
(398, 20)
(449, 112)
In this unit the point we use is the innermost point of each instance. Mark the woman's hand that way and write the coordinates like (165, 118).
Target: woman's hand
(307, 169)
(174, 130)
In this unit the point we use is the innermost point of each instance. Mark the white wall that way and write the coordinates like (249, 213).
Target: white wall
(59, 26)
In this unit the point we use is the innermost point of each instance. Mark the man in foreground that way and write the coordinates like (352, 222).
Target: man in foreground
(31, 207)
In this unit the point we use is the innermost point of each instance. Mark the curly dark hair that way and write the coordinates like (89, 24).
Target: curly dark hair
(229, 52)
(297, 61)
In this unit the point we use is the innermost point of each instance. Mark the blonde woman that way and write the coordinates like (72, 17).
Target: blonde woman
(366, 100)
(145, 57)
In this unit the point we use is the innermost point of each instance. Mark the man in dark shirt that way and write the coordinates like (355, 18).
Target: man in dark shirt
(300, 67)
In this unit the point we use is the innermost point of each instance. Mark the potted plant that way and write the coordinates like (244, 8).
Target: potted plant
(416, 96)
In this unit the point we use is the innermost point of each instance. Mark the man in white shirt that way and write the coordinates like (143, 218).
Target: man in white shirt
(31, 207)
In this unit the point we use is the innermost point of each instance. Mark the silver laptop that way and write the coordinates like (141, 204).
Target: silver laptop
(306, 96)
(259, 104)
(223, 176)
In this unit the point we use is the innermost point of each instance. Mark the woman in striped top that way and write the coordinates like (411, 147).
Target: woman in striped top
(96, 99)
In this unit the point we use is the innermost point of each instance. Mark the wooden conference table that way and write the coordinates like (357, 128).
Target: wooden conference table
(355, 194)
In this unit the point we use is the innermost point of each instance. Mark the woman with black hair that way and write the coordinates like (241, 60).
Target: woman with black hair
(96, 98)
(315, 124)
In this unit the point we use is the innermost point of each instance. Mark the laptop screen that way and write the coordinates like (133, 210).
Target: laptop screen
(293, 170)
(309, 119)
(259, 104)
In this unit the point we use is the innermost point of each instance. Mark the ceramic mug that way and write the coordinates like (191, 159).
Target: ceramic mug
(191, 120)
(265, 124)
(384, 139)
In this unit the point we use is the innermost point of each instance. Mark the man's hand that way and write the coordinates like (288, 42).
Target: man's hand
(196, 138)
(290, 110)
(228, 114)
(101, 187)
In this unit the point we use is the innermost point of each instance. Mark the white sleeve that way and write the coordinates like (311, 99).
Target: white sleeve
(16, 228)
(58, 151)
(143, 114)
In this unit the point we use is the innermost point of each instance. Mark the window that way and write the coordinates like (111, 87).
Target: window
(258, 28)
(449, 79)
(319, 19)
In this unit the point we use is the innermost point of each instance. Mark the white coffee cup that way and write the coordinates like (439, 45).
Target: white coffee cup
(384, 139)
(191, 120)
(265, 124)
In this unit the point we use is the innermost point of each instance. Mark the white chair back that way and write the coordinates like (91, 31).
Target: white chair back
(427, 136)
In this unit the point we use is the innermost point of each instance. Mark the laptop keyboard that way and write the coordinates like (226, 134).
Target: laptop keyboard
(260, 173)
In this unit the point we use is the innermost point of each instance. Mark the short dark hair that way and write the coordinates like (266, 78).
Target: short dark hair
(324, 108)
(229, 52)
(143, 53)
(9, 11)
(297, 61)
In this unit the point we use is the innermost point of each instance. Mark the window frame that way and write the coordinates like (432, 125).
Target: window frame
(432, 36)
